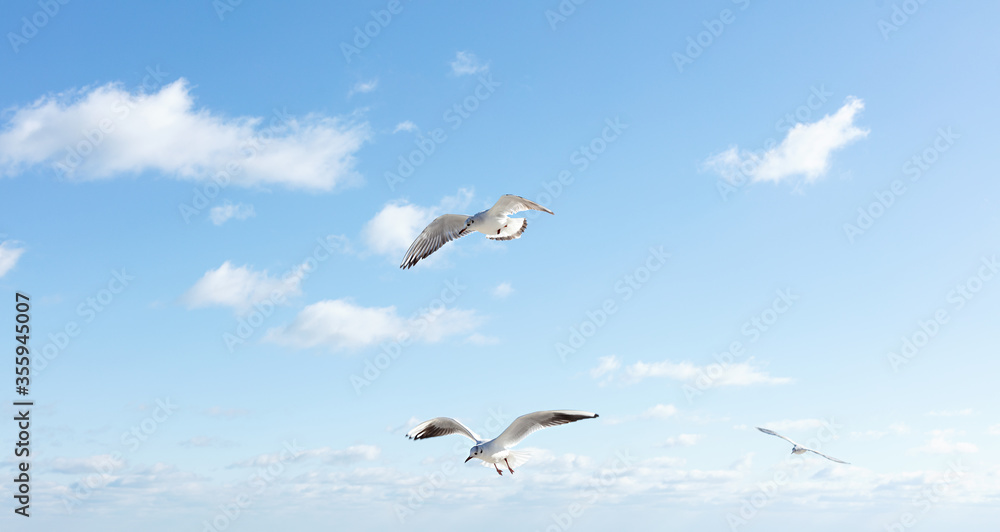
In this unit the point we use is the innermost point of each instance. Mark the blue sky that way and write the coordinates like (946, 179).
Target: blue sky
(790, 224)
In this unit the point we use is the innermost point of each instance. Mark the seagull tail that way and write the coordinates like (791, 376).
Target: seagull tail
(518, 458)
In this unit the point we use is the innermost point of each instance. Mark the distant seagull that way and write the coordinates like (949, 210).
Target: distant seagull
(498, 449)
(493, 222)
(798, 449)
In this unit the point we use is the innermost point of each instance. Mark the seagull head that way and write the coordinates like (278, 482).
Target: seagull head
(474, 453)
(469, 221)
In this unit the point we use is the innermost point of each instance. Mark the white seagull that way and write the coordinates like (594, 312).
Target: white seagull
(498, 449)
(494, 222)
(798, 449)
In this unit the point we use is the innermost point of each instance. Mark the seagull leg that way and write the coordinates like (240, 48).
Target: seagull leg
(498, 470)
(508, 466)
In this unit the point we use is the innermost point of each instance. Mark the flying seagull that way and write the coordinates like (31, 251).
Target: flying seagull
(493, 222)
(498, 450)
(798, 449)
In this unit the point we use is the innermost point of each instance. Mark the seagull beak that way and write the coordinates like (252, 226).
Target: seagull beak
(467, 459)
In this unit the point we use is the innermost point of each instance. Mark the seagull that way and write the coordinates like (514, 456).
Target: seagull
(493, 222)
(498, 450)
(798, 449)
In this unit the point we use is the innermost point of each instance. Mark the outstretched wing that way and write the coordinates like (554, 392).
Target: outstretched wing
(441, 426)
(442, 230)
(511, 204)
(828, 457)
(772, 433)
(528, 423)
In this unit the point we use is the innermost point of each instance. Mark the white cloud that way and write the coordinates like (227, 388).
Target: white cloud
(405, 125)
(795, 425)
(10, 252)
(605, 365)
(683, 440)
(362, 87)
(502, 290)
(397, 225)
(242, 287)
(710, 376)
(218, 411)
(805, 151)
(206, 441)
(227, 211)
(466, 63)
(660, 412)
(88, 464)
(895, 429)
(350, 455)
(164, 132)
(942, 442)
(340, 324)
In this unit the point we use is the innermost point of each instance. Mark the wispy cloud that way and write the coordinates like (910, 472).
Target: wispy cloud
(220, 214)
(806, 150)
(107, 131)
(719, 375)
(218, 411)
(10, 253)
(895, 429)
(683, 440)
(241, 287)
(340, 324)
(362, 87)
(503, 290)
(350, 455)
(943, 442)
(405, 125)
(660, 412)
(605, 366)
(466, 64)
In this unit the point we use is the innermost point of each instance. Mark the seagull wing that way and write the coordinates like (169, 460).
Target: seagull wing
(441, 426)
(827, 457)
(442, 230)
(772, 433)
(528, 423)
(511, 204)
